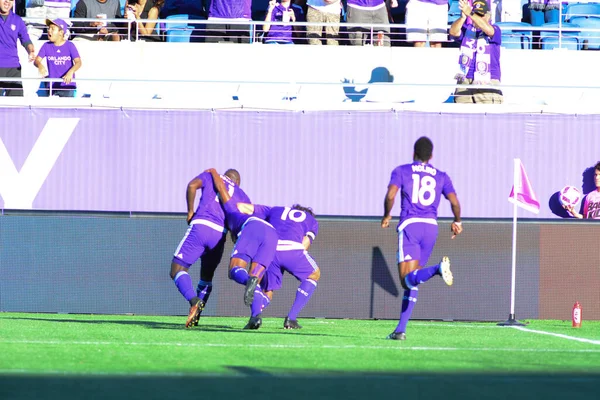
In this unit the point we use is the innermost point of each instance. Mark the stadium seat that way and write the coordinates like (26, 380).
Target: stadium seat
(453, 11)
(123, 3)
(582, 10)
(552, 42)
(589, 39)
(516, 35)
(177, 28)
(550, 30)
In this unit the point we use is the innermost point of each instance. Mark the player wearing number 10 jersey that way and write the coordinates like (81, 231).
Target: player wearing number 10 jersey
(422, 186)
(296, 227)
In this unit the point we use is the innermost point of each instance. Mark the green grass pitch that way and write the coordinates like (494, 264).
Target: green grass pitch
(52, 356)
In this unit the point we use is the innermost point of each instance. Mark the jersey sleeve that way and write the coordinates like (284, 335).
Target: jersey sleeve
(313, 229)
(261, 212)
(42, 52)
(447, 187)
(396, 178)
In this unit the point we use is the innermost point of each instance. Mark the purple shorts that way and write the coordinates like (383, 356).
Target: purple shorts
(257, 243)
(200, 241)
(298, 263)
(416, 240)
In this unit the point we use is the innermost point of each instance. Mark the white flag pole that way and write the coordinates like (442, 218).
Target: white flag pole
(516, 189)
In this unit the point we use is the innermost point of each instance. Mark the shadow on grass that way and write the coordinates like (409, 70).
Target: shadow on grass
(248, 383)
(175, 326)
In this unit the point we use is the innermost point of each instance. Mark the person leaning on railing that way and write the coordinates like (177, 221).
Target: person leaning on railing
(479, 60)
(144, 9)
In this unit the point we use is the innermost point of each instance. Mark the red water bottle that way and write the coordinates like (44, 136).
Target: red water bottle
(577, 315)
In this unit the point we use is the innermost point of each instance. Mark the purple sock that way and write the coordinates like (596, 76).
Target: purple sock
(260, 302)
(239, 274)
(305, 290)
(408, 303)
(184, 284)
(203, 290)
(422, 275)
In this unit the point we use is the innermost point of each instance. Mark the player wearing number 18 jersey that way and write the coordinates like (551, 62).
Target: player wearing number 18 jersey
(421, 186)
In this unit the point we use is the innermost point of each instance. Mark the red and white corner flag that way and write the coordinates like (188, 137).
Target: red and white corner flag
(522, 193)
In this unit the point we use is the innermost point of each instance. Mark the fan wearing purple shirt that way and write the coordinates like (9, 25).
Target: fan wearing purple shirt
(279, 12)
(255, 245)
(204, 239)
(297, 228)
(12, 28)
(421, 187)
(62, 58)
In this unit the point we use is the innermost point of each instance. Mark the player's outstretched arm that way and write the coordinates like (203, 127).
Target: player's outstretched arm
(456, 226)
(190, 197)
(388, 204)
(219, 185)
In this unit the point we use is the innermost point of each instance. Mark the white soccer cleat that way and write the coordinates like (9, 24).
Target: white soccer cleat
(445, 271)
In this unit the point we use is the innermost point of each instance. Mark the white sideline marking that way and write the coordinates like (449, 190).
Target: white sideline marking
(560, 335)
(292, 346)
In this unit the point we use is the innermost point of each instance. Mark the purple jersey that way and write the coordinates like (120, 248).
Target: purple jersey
(421, 188)
(209, 207)
(291, 225)
(60, 60)
(12, 28)
(231, 9)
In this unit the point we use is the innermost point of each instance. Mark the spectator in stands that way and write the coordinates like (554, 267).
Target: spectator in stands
(479, 60)
(427, 18)
(323, 11)
(100, 10)
(591, 202)
(279, 12)
(369, 12)
(144, 9)
(218, 30)
(62, 58)
(12, 28)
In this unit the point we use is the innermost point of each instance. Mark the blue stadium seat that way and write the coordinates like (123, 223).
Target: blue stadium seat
(572, 32)
(582, 10)
(567, 42)
(453, 12)
(589, 39)
(123, 3)
(177, 28)
(516, 35)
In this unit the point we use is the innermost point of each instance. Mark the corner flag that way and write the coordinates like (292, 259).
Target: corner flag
(522, 193)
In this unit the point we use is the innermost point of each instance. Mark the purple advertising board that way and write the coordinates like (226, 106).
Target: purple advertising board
(336, 162)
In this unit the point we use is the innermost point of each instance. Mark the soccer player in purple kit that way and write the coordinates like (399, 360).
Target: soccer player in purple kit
(204, 239)
(297, 229)
(421, 186)
(255, 245)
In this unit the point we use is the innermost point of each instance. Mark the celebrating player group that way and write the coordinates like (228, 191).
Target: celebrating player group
(269, 241)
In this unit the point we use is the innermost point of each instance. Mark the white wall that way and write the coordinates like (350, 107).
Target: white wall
(218, 72)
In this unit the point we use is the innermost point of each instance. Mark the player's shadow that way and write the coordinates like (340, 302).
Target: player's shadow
(378, 75)
(381, 276)
(587, 186)
(147, 324)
